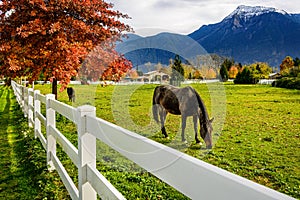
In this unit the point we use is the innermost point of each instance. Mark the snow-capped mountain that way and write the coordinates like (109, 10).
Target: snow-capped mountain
(248, 34)
(247, 12)
(253, 34)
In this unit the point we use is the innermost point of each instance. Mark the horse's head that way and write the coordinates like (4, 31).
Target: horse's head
(206, 132)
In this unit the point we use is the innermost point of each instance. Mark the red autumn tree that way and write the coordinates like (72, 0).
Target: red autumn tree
(104, 63)
(52, 38)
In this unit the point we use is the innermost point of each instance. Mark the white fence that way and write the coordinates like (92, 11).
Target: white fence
(266, 81)
(192, 177)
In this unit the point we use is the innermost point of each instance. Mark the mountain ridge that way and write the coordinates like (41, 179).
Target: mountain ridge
(266, 36)
(249, 11)
(248, 34)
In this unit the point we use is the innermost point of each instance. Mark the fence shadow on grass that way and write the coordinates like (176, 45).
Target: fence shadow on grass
(5, 161)
(23, 170)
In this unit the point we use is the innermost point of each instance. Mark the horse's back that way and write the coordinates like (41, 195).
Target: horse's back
(177, 100)
(188, 103)
(165, 96)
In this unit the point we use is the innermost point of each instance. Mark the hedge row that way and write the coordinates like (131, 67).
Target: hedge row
(287, 82)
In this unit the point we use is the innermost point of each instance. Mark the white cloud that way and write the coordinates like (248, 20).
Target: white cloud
(185, 16)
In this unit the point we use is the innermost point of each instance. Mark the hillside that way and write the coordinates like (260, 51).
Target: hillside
(248, 34)
(159, 48)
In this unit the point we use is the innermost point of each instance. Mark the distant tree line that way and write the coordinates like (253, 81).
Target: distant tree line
(214, 66)
(288, 77)
(289, 74)
(247, 74)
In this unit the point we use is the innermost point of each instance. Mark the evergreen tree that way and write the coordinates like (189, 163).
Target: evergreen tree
(177, 72)
(240, 66)
(225, 67)
(245, 77)
(224, 73)
(296, 62)
(228, 63)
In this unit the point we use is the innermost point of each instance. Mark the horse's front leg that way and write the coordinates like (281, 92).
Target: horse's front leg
(195, 120)
(183, 125)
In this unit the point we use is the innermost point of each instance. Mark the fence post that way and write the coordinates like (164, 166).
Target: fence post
(30, 105)
(17, 91)
(37, 109)
(50, 121)
(86, 152)
(20, 95)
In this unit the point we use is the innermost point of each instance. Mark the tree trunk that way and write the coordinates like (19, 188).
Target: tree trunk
(54, 88)
(7, 81)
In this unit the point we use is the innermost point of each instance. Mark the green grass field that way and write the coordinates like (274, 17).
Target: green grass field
(259, 139)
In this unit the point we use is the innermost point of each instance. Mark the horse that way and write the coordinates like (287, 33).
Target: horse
(71, 94)
(185, 102)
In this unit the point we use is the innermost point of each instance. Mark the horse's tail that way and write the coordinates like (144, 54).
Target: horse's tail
(155, 102)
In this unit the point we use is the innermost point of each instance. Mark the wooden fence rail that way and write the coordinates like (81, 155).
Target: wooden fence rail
(192, 177)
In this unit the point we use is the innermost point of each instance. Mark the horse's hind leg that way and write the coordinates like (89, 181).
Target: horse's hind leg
(163, 115)
(183, 125)
(195, 120)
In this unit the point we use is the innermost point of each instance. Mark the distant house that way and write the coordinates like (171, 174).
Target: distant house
(276, 75)
(143, 79)
(156, 76)
(149, 77)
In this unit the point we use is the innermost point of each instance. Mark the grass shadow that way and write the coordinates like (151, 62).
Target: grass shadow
(16, 173)
(23, 169)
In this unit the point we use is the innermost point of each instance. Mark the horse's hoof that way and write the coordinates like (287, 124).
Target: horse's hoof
(167, 137)
(184, 141)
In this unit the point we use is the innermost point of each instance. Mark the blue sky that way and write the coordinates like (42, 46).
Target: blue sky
(185, 16)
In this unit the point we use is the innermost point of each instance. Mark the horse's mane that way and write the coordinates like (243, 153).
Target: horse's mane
(201, 106)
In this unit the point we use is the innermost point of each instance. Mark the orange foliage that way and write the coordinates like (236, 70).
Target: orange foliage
(53, 38)
(233, 71)
(197, 75)
(286, 65)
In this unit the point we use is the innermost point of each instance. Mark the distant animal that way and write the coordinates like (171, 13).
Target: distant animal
(71, 94)
(185, 102)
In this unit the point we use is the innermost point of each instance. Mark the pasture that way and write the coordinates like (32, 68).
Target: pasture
(259, 139)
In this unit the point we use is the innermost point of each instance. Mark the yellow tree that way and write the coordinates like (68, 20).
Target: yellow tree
(286, 65)
(188, 70)
(211, 74)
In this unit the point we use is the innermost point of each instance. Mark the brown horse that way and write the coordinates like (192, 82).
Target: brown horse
(185, 102)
